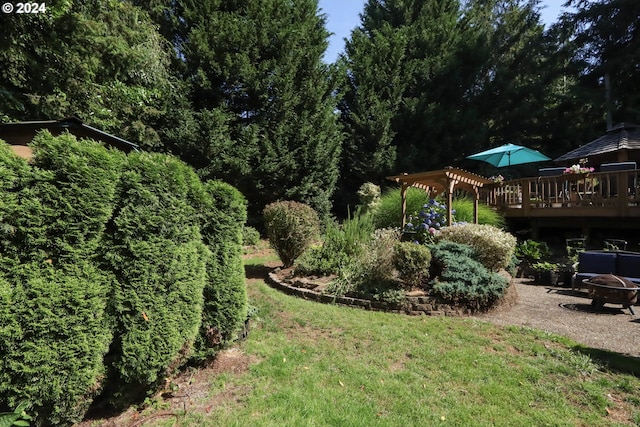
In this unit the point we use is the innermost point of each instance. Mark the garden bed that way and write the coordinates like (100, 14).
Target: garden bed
(417, 302)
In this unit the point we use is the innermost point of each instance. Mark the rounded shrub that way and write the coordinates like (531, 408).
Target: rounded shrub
(250, 236)
(494, 248)
(291, 228)
(412, 262)
(463, 280)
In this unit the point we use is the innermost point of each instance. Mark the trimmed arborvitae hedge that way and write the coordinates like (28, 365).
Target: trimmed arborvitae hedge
(158, 258)
(14, 176)
(225, 296)
(53, 337)
(107, 262)
(53, 220)
(66, 200)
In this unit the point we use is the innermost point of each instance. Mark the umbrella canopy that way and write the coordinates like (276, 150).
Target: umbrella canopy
(508, 155)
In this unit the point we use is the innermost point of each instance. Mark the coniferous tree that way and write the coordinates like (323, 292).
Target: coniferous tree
(255, 71)
(454, 77)
(102, 61)
(605, 38)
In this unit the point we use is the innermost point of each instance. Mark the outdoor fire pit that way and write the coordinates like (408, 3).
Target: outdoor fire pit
(612, 289)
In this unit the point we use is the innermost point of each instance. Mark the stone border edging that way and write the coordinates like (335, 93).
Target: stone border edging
(414, 305)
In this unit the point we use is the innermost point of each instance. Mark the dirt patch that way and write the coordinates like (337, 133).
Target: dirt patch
(190, 391)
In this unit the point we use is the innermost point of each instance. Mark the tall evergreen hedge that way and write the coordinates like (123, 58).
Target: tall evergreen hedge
(156, 253)
(54, 333)
(14, 172)
(56, 330)
(107, 263)
(225, 298)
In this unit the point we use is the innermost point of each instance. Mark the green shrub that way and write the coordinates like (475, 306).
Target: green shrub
(388, 212)
(412, 262)
(250, 236)
(15, 175)
(55, 214)
(371, 272)
(369, 196)
(340, 243)
(225, 293)
(96, 244)
(316, 261)
(156, 253)
(291, 228)
(463, 280)
(53, 338)
(67, 200)
(494, 247)
(463, 207)
(531, 251)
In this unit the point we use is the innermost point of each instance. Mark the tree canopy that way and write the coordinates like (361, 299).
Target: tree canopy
(239, 90)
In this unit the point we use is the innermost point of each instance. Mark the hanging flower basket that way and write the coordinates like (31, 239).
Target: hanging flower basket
(576, 172)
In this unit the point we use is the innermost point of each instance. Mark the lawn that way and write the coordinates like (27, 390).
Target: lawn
(309, 364)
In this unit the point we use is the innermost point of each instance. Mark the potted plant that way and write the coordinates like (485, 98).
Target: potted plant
(546, 273)
(566, 270)
(577, 171)
(530, 252)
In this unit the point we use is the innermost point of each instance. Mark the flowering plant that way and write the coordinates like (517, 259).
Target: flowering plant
(497, 178)
(428, 222)
(574, 169)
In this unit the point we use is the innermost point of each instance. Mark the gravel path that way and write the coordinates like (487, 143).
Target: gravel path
(569, 313)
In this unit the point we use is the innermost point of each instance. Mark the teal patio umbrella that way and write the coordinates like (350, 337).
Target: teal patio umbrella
(509, 155)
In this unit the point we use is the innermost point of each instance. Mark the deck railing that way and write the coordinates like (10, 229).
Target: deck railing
(607, 194)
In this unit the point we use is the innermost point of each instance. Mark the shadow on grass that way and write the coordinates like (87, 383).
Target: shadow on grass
(256, 271)
(612, 361)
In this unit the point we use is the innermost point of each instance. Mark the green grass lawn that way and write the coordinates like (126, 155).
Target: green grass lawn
(325, 365)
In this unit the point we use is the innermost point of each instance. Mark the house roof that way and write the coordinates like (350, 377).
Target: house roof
(21, 133)
(624, 136)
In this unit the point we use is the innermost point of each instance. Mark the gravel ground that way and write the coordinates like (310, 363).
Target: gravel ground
(569, 313)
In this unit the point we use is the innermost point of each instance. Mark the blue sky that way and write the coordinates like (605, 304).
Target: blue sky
(342, 17)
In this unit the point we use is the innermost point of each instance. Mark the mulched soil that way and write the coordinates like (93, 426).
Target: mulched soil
(569, 313)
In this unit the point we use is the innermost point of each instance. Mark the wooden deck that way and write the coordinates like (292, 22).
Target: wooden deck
(596, 195)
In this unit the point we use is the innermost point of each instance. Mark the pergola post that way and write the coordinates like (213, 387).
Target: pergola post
(403, 195)
(451, 186)
(475, 204)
